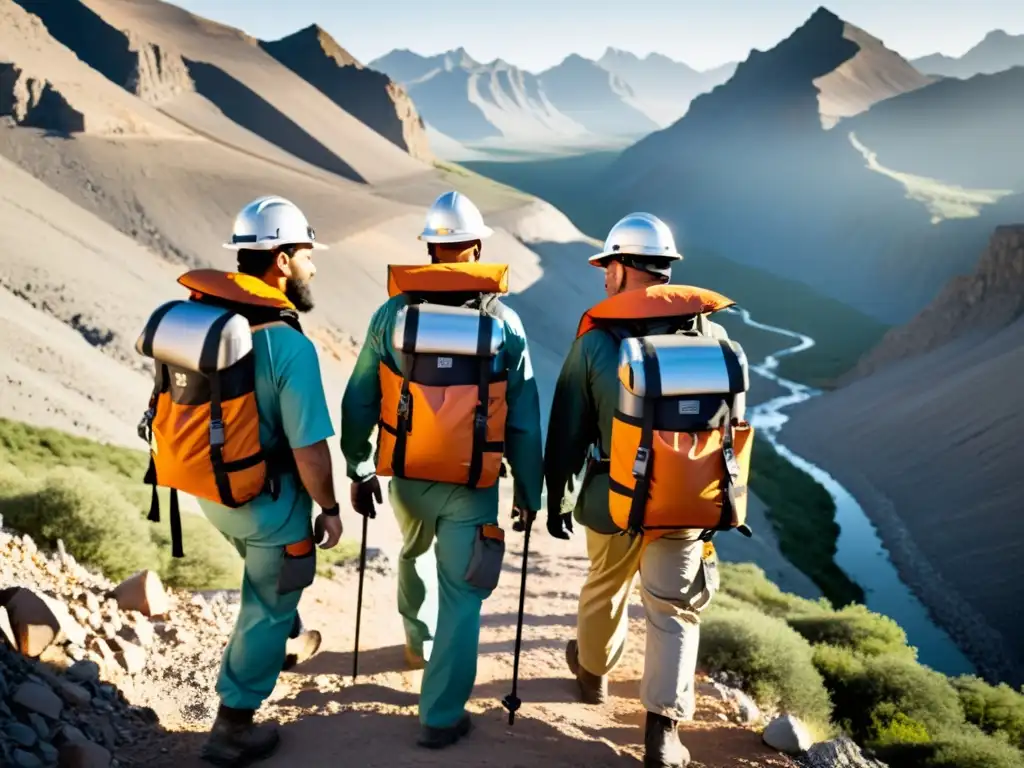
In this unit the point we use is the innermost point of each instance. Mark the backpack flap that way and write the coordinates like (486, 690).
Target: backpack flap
(443, 414)
(195, 336)
(680, 448)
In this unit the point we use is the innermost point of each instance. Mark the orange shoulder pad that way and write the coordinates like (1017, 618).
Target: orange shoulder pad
(234, 286)
(654, 302)
(427, 278)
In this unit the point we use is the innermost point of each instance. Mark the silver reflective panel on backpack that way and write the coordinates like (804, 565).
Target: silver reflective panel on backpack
(687, 365)
(443, 330)
(180, 335)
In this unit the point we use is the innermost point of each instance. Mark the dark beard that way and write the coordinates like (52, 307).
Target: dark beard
(299, 294)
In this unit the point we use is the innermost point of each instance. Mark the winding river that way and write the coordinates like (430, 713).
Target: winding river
(859, 550)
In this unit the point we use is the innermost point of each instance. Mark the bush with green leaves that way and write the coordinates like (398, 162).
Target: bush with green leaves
(876, 694)
(773, 662)
(748, 583)
(93, 519)
(854, 627)
(995, 709)
(968, 748)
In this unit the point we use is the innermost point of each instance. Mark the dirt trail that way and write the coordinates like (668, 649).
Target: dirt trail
(328, 721)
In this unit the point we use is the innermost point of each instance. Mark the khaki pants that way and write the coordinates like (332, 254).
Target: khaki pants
(676, 586)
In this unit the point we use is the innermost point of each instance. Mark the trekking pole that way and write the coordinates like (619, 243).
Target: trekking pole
(512, 701)
(359, 599)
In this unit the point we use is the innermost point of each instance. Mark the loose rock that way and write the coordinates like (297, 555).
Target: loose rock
(84, 754)
(35, 627)
(143, 592)
(787, 734)
(36, 697)
(839, 753)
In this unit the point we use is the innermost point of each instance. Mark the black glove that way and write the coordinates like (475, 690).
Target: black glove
(522, 518)
(362, 495)
(560, 524)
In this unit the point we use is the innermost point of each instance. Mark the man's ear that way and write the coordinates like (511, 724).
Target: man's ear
(283, 262)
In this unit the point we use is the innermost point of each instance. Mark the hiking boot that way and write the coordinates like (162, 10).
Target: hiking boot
(236, 741)
(662, 747)
(414, 660)
(593, 688)
(439, 738)
(301, 648)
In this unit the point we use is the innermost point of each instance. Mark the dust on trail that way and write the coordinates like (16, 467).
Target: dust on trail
(328, 721)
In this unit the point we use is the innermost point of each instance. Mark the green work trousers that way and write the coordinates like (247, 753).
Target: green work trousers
(255, 652)
(440, 609)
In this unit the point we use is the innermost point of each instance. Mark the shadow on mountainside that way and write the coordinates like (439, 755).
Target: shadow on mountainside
(245, 107)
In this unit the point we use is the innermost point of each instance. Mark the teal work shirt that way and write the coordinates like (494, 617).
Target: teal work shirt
(291, 404)
(360, 407)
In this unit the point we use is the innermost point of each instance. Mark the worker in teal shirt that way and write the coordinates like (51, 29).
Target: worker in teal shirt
(452, 513)
(273, 535)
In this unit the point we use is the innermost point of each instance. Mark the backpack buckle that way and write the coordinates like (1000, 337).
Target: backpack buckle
(403, 404)
(731, 464)
(145, 428)
(216, 432)
(641, 462)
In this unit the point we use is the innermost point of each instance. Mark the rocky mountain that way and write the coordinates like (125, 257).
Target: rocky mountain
(964, 132)
(984, 302)
(763, 170)
(474, 102)
(600, 100)
(366, 94)
(926, 435)
(663, 87)
(996, 52)
(616, 99)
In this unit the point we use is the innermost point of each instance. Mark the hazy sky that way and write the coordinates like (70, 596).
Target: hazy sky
(536, 34)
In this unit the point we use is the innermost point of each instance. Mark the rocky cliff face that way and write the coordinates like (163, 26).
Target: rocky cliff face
(987, 300)
(370, 96)
(153, 73)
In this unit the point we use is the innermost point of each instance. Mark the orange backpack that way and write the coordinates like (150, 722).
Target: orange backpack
(443, 409)
(680, 454)
(202, 425)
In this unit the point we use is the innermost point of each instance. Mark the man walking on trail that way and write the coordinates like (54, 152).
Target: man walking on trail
(638, 253)
(273, 533)
(445, 484)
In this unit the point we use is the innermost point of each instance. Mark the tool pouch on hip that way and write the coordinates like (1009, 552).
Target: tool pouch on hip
(298, 567)
(712, 577)
(485, 562)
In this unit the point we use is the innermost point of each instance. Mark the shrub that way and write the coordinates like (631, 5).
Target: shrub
(973, 749)
(854, 627)
(98, 526)
(967, 748)
(13, 481)
(210, 562)
(994, 709)
(748, 582)
(32, 448)
(870, 692)
(773, 663)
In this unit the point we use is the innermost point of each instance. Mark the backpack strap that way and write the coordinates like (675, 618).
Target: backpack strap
(483, 344)
(644, 451)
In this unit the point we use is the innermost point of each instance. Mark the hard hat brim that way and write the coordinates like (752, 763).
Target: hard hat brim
(269, 245)
(601, 259)
(456, 237)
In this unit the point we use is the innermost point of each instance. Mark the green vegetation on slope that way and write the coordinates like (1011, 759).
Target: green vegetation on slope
(842, 334)
(851, 670)
(803, 516)
(58, 486)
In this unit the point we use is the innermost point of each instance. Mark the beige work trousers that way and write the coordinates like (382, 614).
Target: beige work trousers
(676, 584)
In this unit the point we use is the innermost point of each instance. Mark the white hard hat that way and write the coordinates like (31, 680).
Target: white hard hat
(454, 219)
(269, 222)
(639, 235)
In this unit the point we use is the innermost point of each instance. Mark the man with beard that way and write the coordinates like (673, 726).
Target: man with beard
(273, 532)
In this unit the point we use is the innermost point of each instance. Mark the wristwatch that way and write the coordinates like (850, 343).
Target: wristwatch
(332, 512)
